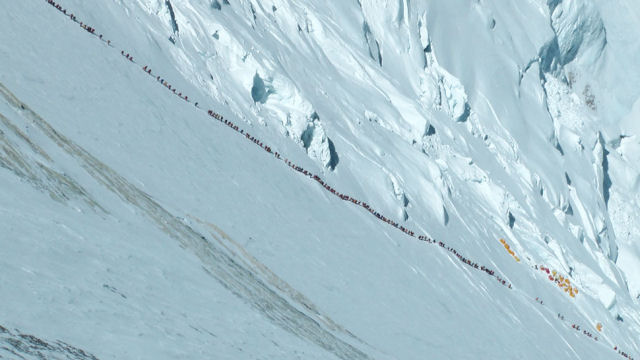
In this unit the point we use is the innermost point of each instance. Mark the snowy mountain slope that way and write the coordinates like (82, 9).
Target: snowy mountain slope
(481, 132)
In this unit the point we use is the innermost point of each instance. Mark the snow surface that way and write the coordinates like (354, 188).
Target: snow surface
(133, 225)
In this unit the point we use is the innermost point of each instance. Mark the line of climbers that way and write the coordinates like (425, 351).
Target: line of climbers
(355, 201)
(71, 16)
(624, 354)
(299, 169)
(587, 333)
(584, 332)
(163, 82)
(92, 31)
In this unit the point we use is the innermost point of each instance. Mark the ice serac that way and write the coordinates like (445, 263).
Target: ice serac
(280, 99)
(438, 86)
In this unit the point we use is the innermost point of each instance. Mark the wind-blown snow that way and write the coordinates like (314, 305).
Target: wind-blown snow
(134, 225)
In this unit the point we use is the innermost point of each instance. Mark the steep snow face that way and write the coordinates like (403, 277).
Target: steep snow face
(134, 225)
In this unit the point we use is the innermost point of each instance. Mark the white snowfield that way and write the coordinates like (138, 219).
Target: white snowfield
(135, 225)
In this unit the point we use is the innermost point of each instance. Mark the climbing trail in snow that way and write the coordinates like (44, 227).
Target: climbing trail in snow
(424, 238)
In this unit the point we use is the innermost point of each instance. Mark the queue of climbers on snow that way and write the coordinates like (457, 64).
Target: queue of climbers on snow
(588, 334)
(584, 332)
(558, 279)
(92, 31)
(624, 354)
(163, 82)
(353, 200)
(71, 16)
(299, 169)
